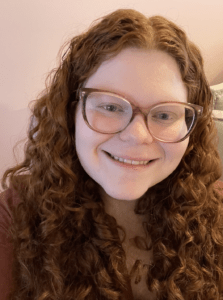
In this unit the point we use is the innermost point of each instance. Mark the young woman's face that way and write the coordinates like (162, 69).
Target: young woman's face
(144, 78)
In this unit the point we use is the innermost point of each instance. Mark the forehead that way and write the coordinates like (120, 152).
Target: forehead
(142, 76)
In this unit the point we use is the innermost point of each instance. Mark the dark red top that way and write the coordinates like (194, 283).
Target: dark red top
(9, 199)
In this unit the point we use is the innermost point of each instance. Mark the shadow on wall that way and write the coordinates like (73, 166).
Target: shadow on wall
(13, 128)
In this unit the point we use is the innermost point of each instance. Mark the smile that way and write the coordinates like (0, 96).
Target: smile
(130, 162)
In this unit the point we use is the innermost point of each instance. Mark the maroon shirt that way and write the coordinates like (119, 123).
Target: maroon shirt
(9, 199)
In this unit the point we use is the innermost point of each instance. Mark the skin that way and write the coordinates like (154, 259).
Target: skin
(144, 77)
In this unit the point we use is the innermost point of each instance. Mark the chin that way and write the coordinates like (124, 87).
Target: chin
(124, 195)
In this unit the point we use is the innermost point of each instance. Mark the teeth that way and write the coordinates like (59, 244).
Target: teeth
(131, 162)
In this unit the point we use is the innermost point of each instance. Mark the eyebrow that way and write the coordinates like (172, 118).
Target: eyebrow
(136, 106)
(127, 98)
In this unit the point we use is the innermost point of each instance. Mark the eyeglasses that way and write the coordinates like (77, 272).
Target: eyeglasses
(168, 122)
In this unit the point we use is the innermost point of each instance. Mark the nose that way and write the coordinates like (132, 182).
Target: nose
(137, 131)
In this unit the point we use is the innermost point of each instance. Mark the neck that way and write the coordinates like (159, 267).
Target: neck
(123, 212)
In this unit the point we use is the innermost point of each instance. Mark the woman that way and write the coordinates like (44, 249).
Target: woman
(119, 200)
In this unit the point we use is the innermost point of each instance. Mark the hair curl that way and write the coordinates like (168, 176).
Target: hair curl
(65, 245)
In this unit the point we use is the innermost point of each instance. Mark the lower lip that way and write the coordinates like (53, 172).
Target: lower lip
(130, 166)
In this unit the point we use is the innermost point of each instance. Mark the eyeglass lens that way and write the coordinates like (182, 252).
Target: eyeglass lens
(108, 113)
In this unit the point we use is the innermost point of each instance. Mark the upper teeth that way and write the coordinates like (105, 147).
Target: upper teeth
(133, 162)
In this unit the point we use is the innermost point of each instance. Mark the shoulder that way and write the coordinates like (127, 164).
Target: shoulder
(9, 199)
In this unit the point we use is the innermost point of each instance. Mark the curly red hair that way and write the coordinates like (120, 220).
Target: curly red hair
(65, 245)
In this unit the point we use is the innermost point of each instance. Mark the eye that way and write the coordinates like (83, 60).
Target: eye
(112, 108)
(164, 117)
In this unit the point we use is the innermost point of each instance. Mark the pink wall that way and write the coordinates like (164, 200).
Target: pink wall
(33, 32)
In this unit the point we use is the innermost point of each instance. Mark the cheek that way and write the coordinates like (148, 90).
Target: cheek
(82, 139)
(84, 146)
(83, 134)
(175, 152)
(87, 141)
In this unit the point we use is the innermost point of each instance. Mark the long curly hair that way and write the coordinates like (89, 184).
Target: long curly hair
(65, 245)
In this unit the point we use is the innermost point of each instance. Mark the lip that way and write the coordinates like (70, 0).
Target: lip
(130, 166)
(131, 158)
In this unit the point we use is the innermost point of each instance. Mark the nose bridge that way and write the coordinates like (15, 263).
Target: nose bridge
(137, 127)
(138, 111)
(139, 114)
